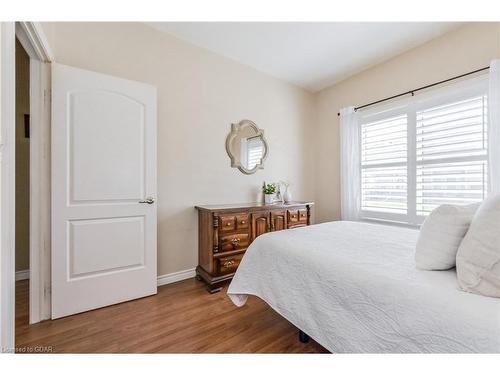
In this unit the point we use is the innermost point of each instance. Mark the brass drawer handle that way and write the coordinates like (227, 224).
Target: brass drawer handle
(235, 242)
(242, 221)
(294, 216)
(228, 224)
(228, 264)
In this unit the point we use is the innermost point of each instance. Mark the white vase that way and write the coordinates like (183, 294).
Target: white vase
(268, 198)
(287, 196)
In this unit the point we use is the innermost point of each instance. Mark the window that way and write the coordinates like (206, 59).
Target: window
(426, 151)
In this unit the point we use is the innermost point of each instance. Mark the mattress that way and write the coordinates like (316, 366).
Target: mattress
(354, 288)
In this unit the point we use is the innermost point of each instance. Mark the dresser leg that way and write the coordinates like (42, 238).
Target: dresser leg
(214, 284)
(213, 289)
(303, 337)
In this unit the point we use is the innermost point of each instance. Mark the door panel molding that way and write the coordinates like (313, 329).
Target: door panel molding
(99, 184)
(122, 232)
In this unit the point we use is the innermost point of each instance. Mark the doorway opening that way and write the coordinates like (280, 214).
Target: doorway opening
(22, 183)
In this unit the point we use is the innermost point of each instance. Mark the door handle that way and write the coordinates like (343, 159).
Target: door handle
(148, 200)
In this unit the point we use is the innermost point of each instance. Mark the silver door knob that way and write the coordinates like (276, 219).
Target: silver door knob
(148, 200)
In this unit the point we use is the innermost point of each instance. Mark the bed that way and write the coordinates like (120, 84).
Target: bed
(354, 288)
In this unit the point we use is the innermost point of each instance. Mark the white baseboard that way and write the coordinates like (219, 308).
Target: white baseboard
(162, 280)
(22, 275)
(176, 276)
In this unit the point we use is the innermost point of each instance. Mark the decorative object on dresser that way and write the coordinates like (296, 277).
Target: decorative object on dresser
(286, 194)
(246, 146)
(225, 232)
(269, 191)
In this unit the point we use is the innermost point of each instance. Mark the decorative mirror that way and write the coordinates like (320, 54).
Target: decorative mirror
(246, 146)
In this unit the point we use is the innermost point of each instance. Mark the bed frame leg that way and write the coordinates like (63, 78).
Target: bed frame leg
(303, 337)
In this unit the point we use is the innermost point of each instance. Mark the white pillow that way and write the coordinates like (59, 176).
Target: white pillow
(441, 235)
(478, 257)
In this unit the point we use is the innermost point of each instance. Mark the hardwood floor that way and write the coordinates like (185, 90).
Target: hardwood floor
(181, 318)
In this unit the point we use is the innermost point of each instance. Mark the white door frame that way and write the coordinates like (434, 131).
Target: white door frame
(32, 38)
(7, 177)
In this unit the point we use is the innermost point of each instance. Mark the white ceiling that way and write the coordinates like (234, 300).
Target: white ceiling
(309, 55)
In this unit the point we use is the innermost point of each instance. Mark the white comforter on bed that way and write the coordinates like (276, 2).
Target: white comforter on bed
(353, 287)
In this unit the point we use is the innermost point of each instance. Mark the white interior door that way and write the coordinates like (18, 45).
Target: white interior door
(103, 190)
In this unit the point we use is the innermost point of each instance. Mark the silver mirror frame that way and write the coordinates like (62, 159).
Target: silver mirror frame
(258, 133)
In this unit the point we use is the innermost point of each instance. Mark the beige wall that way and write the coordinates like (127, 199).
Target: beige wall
(470, 47)
(199, 95)
(22, 160)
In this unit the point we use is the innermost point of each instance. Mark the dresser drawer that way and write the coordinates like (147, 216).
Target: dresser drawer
(297, 217)
(303, 216)
(234, 242)
(228, 264)
(293, 216)
(242, 221)
(227, 223)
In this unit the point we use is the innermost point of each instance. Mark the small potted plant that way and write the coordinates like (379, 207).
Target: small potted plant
(269, 192)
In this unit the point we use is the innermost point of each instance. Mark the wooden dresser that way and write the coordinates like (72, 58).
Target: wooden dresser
(225, 232)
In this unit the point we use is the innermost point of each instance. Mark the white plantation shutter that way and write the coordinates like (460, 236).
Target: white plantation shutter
(451, 154)
(384, 165)
(425, 151)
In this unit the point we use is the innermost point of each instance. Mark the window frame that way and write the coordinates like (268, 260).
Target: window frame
(411, 106)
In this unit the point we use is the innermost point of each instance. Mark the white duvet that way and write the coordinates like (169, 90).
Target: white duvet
(353, 287)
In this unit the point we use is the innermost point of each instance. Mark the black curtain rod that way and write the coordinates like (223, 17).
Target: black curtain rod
(412, 92)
